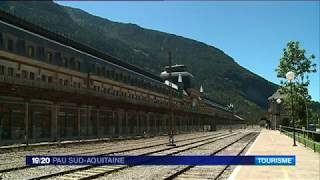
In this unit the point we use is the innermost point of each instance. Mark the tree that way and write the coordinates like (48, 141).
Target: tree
(294, 59)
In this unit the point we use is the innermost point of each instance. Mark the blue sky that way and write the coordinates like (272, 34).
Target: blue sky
(252, 32)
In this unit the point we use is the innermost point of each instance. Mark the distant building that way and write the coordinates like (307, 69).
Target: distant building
(276, 114)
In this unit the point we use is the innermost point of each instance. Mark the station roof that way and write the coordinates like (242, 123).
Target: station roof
(26, 25)
(276, 95)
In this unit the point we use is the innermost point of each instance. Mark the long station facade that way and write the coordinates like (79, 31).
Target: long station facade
(53, 88)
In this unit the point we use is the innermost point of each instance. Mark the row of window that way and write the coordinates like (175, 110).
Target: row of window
(10, 71)
(27, 49)
(38, 52)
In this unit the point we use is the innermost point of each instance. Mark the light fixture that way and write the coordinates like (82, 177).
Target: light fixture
(290, 75)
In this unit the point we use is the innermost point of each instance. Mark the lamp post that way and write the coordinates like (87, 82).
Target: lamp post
(279, 101)
(231, 108)
(290, 76)
(201, 95)
(201, 89)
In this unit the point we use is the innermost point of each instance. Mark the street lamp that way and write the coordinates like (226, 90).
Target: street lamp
(201, 92)
(279, 101)
(231, 108)
(290, 76)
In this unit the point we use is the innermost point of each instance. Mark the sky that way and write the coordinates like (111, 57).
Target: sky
(253, 33)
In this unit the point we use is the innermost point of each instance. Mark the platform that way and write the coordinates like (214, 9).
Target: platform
(273, 143)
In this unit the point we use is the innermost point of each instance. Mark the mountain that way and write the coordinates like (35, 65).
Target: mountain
(223, 79)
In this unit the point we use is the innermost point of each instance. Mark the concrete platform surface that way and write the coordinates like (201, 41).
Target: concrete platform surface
(273, 143)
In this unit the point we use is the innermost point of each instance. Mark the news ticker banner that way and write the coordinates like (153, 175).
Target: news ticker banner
(161, 160)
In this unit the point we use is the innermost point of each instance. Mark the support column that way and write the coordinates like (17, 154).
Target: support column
(119, 123)
(98, 123)
(155, 123)
(54, 122)
(26, 136)
(137, 129)
(79, 123)
(148, 122)
(126, 132)
(89, 121)
(114, 124)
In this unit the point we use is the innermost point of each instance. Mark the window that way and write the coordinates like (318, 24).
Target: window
(72, 62)
(107, 73)
(57, 57)
(21, 47)
(103, 69)
(116, 76)
(50, 79)
(30, 51)
(120, 77)
(65, 62)
(9, 44)
(1, 39)
(78, 65)
(61, 81)
(10, 71)
(79, 85)
(25, 74)
(1, 70)
(44, 78)
(112, 74)
(31, 75)
(65, 82)
(98, 71)
(40, 52)
(49, 57)
(129, 80)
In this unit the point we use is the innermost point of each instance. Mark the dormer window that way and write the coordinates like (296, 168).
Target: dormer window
(78, 65)
(72, 62)
(40, 53)
(98, 71)
(49, 57)
(1, 39)
(30, 51)
(9, 44)
(65, 62)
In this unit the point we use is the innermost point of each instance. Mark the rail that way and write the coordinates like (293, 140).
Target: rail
(306, 137)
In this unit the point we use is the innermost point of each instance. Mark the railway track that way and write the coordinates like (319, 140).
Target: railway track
(91, 172)
(20, 164)
(210, 172)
